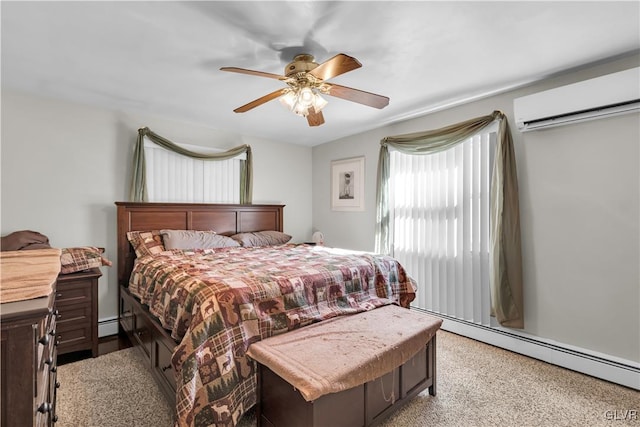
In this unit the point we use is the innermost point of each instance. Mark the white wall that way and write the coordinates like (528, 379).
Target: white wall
(64, 165)
(579, 198)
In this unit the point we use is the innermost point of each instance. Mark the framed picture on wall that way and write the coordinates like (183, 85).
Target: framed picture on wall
(347, 184)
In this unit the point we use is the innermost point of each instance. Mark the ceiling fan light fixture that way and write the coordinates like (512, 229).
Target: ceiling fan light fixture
(306, 96)
(300, 99)
(301, 110)
(319, 102)
(288, 100)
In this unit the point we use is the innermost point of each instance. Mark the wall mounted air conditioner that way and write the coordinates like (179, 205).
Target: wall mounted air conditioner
(605, 96)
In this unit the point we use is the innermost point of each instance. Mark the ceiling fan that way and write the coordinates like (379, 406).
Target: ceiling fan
(306, 80)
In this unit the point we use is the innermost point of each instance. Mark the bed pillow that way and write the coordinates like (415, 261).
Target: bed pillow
(146, 242)
(261, 238)
(81, 258)
(194, 239)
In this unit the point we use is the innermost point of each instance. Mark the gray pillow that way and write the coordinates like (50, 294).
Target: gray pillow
(195, 239)
(261, 238)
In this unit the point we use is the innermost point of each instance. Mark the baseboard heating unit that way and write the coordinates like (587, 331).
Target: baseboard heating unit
(606, 367)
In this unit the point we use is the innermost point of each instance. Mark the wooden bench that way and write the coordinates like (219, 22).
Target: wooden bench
(348, 371)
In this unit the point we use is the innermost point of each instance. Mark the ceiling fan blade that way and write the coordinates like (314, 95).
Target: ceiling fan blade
(359, 96)
(252, 72)
(335, 66)
(257, 102)
(315, 119)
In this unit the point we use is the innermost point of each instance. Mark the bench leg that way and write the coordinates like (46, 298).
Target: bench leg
(259, 392)
(432, 364)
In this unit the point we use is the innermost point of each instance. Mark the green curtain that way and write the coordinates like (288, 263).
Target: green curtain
(138, 191)
(505, 245)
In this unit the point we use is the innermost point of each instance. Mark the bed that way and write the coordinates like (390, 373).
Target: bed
(194, 312)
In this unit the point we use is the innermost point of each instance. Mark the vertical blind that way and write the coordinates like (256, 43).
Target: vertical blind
(172, 177)
(440, 226)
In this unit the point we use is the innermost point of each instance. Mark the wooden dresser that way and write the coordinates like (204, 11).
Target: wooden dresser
(77, 304)
(28, 362)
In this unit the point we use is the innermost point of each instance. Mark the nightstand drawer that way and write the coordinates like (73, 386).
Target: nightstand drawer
(78, 292)
(76, 337)
(69, 316)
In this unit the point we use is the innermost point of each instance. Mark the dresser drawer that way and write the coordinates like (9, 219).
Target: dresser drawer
(53, 394)
(46, 367)
(46, 336)
(44, 399)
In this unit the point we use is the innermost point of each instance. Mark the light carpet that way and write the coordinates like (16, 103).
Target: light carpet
(478, 385)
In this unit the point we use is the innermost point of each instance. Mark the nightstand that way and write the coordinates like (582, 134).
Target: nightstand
(77, 305)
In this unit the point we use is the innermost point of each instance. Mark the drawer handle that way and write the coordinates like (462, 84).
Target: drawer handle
(44, 408)
(57, 384)
(165, 368)
(54, 369)
(44, 340)
(52, 333)
(49, 361)
(54, 419)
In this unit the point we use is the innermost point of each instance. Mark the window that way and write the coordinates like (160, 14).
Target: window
(440, 225)
(172, 177)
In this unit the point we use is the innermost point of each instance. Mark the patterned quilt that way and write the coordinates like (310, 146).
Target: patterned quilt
(216, 302)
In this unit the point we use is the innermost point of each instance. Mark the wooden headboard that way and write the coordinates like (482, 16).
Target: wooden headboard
(224, 219)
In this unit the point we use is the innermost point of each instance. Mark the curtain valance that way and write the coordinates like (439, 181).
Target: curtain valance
(138, 191)
(505, 245)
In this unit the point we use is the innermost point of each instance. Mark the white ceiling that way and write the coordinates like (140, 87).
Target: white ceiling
(163, 58)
